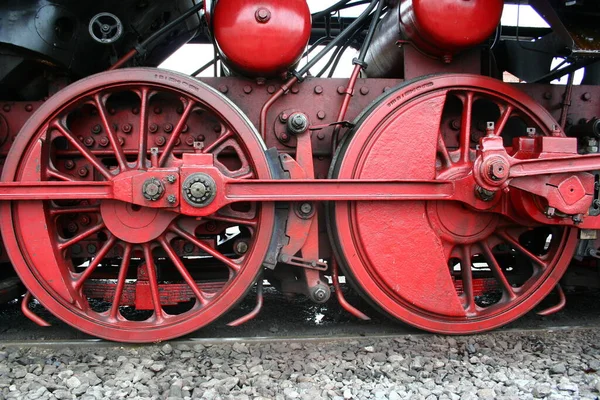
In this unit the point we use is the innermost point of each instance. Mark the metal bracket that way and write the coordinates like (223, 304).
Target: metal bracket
(303, 262)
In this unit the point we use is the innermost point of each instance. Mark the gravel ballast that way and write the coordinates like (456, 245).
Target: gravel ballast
(505, 365)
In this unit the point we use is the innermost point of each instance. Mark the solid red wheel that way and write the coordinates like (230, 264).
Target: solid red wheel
(440, 265)
(121, 271)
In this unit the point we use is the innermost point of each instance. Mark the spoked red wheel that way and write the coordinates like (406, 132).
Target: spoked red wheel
(439, 265)
(122, 271)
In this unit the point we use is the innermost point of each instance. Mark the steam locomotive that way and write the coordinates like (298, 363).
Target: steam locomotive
(447, 179)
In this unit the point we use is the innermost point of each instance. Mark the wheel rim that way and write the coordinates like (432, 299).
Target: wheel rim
(146, 262)
(408, 257)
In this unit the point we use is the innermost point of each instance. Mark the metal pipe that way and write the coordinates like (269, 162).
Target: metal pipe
(265, 108)
(338, 39)
(141, 47)
(345, 104)
(30, 314)
(340, 296)
(252, 314)
(562, 301)
(567, 101)
(204, 67)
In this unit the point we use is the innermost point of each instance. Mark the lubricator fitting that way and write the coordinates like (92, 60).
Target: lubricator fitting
(199, 190)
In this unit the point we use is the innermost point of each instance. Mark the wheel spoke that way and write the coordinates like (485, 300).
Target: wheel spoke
(143, 139)
(52, 173)
(114, 309)
(81, 236)
(201, 296)
(112, 137)
(94, 264)
(521, 249)
(503, 120)
(176, 133)
(81, 148)
(443, 152)
(497, 271)
(206, 248)
(221, 139)
(465, 128)
(467, 277)
(153, 280)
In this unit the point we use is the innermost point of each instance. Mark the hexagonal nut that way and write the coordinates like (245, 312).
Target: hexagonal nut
(153, 189)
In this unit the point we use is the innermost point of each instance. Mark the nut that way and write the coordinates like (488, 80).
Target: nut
(153, 189)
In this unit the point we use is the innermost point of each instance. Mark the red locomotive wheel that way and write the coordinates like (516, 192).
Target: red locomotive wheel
(120, 271)
(440, 265)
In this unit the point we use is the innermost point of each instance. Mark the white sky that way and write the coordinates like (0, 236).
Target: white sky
(190, 57)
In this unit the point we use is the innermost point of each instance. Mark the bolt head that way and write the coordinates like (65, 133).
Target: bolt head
(171, 199)
(306, 208)
(263, 15)
(297, 123)
(241, 247)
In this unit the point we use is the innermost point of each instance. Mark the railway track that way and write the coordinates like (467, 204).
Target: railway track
(305, 322)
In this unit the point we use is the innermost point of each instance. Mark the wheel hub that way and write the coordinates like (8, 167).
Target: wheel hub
(133, 223)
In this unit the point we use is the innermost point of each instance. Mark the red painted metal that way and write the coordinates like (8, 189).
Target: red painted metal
(30, 314)
(256, 310)
(340, 296)
(278, 30)
(449, 241)
(445, 27)
(43, 253)
(562, 302)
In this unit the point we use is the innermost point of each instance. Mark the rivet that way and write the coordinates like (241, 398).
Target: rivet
(201, 138)
(6, 108)
(318, 89)
(247, 89)
(168, 128)
(160, 140)
(96, 129)
(157, 110)
(127, 128)
(320, 135)
(341, 89)
(386, 89)
(295, 89)
(364, 90)
(153, 128)
(189, 141)
(69, 164)
(321, 114)
(586, 96)
(28, 108)
(223, 89)
(271, 89)
(284, 137)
